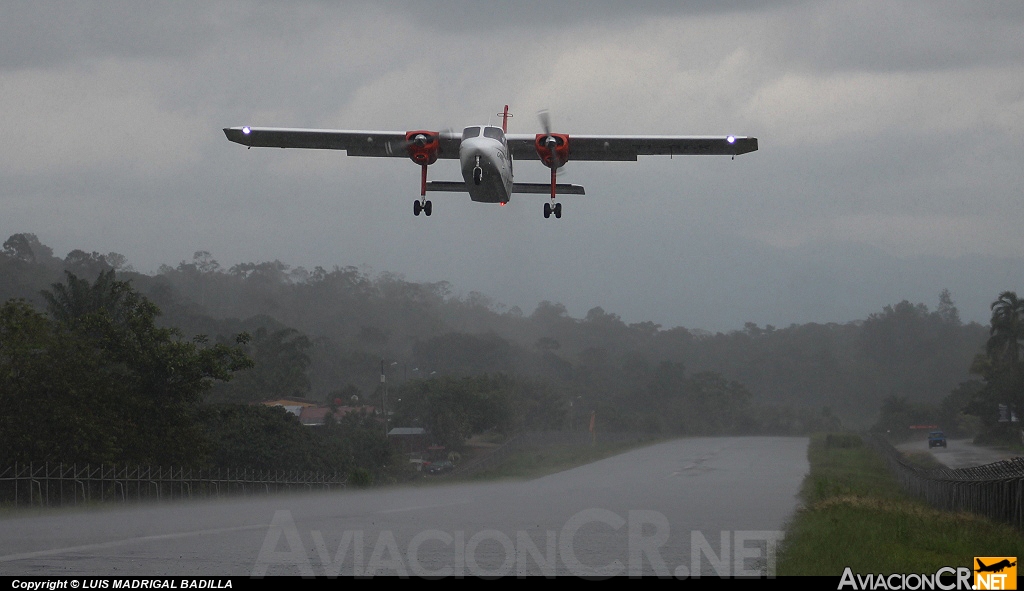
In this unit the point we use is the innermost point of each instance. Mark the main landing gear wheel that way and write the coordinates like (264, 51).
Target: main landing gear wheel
(417, 207)
(553, 209)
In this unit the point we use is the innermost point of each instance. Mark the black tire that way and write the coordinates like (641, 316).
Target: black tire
(547, 210)
(427, 207)
(558, 211)
(416, 208)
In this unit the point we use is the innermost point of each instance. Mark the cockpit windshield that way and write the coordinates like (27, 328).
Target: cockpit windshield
(470, 132)
(494, 133)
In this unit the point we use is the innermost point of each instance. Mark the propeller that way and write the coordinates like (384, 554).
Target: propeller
(421, 138)
(423, 147)
(551, 142)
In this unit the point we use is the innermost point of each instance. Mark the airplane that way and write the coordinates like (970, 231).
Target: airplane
(995, 567)
(486, 153)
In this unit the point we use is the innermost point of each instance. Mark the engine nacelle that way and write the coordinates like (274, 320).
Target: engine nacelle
(422, 146)
(552, 148)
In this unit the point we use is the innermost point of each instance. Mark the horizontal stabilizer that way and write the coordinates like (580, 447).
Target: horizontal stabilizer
(536, 188)
(545, 188)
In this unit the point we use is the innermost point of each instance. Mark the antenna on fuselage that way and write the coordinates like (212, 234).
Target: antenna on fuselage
(504, 119)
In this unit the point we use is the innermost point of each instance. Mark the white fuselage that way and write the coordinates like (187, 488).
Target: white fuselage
(486, 164)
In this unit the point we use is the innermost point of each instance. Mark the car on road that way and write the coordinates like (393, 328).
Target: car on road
(440, 467)
(936, 439)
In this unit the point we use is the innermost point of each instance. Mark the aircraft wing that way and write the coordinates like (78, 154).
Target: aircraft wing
(355, 143)
(628, 147)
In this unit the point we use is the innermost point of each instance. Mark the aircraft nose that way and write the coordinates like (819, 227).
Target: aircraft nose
(469, 150)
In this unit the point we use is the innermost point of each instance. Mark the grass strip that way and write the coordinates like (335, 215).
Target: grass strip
(534, 462)
(855, 515)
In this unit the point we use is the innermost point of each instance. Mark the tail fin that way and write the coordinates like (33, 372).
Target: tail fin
(504, 119)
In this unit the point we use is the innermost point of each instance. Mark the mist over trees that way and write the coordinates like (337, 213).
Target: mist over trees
(322, 334)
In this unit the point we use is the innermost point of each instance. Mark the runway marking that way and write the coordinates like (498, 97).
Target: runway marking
(452, 504)
(116, 543)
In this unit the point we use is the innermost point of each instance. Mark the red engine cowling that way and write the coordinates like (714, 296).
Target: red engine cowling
(422, 146)
(558, 156)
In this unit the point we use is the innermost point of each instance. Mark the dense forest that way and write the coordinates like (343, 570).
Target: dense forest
(463, 365)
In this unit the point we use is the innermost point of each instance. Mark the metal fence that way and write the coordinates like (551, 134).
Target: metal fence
(993, 490)
(70, 484)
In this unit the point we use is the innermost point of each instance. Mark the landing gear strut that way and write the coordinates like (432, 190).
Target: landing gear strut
(553, 208)
(422, 204)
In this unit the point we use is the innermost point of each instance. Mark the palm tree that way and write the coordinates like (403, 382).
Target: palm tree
(1007, 332)
(1004, 350)
(67, 303)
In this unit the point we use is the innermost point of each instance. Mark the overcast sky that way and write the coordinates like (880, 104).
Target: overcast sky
(890, 161)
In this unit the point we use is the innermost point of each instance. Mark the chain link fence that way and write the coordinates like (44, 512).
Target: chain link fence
(70, 484)
(993, 490)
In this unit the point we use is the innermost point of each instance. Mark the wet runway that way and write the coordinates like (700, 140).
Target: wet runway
(708, 505)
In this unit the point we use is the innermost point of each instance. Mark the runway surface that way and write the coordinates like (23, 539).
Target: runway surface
(688, 506)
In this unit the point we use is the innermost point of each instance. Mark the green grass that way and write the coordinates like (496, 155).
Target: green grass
(534, 462)
(923, 459)
(856, 515)
(541, 461)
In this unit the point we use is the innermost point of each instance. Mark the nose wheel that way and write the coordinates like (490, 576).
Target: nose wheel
(553, 208)
(417, 207)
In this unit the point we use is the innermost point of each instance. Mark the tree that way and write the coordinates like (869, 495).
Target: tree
(259, 437)
(947, 309)
(205, 262)
(898, 414)
(101, 382)
(84, 263)
(547, 344)
(452, 409)
(118, 261)
(68, 303)
(953, 415)
(1000, 366)
(461, 353)
(27, 248)
(720, 405)
(355, 443)
(1007, 330)
(280, 359)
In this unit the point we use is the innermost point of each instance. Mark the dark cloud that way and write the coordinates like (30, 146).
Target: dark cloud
(889, 132)
(899, 36)
(546, 16)
(49, 33)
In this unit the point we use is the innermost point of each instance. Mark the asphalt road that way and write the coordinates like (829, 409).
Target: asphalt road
(708, 505)
(961, 453)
